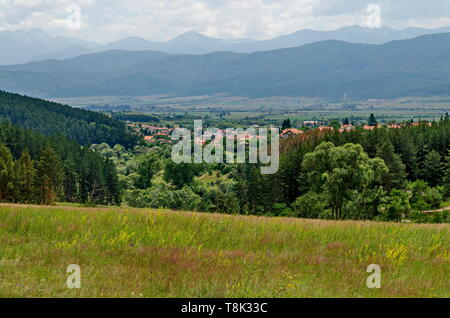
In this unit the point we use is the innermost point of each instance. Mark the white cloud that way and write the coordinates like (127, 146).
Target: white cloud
(161, 20)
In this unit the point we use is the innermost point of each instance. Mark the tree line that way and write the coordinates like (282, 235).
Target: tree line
(359, 174)
(35, 168)
(383, 174)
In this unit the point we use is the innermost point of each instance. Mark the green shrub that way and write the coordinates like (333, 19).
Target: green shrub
(423, 197)
(310, 205)
(281, 209)
(163, 196)
(397, 206)
(436, 217)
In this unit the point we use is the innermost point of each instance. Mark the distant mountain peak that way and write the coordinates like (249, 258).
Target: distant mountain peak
(36, 31)
(134, 38)
(131, 43)
(190, 36)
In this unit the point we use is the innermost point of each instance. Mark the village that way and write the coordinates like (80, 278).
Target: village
(160, 135)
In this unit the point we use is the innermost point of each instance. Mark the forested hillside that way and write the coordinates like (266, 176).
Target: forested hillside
(50, 118)
(35, 168)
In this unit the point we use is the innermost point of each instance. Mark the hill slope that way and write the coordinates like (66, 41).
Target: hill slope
(416, 67)
(51, 118)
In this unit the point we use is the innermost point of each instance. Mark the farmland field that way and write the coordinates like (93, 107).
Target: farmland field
(146, 253)
(274, 108)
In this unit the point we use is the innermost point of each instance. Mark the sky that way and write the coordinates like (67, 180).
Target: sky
(161, 20)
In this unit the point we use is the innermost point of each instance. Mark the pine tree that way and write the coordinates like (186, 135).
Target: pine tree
(93, 184)
(7, 174)
(25, 177)
(372, 120)
(286, 124)
(49, 176)
(447, 177)
(397, 171)
(432, 169)
(408, 153)
(71, 181)
(112, 183)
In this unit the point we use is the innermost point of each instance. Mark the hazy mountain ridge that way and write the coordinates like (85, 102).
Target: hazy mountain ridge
(416, 67)
(195, 43)
(26, 46)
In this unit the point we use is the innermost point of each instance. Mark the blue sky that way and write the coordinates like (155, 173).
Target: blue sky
(161, 20)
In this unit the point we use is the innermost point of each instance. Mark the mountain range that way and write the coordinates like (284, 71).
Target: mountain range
(21, 46)
(24, 46)
(414, 67)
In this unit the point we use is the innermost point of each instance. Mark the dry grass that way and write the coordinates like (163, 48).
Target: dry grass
(139, 253)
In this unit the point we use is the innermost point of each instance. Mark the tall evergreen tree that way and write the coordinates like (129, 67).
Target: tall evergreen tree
(49, 176)
(286, 124)
(93, 184)
(447, 177)
(112, 183)
(71, 181)
(408, 153)
(25, 177)
(372, 120)
(7, 174)
(397, 171)
(432, 168)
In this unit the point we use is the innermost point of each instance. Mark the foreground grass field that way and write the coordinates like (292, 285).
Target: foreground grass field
(140, 253)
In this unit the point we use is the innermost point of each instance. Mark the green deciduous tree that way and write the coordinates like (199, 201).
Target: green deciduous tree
(423, 197)
(397, 205)
(147, 167)
(182, 174)
(339, 171)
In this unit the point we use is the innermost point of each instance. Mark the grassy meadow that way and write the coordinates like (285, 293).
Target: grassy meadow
(144, 253)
